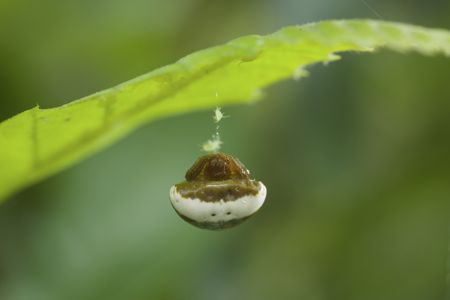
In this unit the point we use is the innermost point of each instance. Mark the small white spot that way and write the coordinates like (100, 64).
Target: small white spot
(331, 57)
(300, 73)
(218, 114)
(212, 145)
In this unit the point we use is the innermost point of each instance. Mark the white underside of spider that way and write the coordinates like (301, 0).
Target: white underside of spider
(219, 211)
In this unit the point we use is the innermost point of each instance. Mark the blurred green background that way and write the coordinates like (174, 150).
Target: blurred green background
(355, 158)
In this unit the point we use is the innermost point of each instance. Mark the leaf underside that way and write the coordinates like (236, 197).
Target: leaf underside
(40, 142)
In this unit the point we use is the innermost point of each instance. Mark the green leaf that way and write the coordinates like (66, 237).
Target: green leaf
(40, 142)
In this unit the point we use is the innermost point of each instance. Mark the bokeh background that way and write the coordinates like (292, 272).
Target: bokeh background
(356, 159)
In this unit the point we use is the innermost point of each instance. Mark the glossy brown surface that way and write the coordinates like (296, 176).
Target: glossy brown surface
(217, 167)
(217, 177)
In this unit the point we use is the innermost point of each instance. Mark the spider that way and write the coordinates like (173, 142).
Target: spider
(218, 193)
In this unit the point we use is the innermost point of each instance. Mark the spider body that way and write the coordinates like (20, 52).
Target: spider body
(218, 193)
